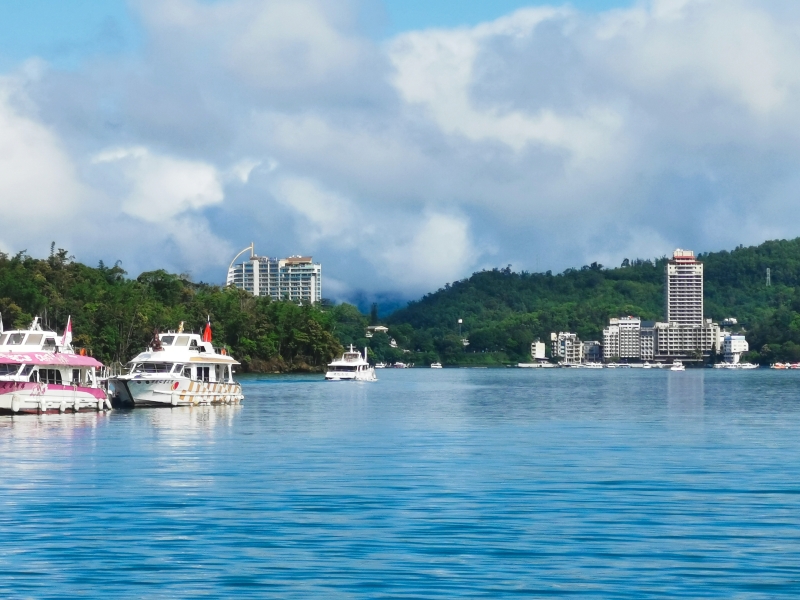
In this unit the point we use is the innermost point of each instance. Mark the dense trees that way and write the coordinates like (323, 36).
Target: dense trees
(114, 316)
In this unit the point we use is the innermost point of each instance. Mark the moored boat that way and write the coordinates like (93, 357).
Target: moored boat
(677, 366)
(177, 369)
(41, 373)
(436, 365)
(351, 367)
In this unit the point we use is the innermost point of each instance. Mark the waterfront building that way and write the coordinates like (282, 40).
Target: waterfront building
(647, 337)
(538, 350)
(733, 347)
(592, 352)
(296, 278)
(673, 340)
(567, 346)
(684, 289)
(621, 338)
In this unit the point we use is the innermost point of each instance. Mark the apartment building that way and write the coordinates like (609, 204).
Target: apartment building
(296, 278)
(566, 346)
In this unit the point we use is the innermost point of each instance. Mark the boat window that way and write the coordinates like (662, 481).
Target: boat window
(34, 339)
(52, 376)
(8, 370)
(152, 367)
(34, 376)
(183, 340)
(177, 369)
(49, 343)
(193, 344)
(187, 372)
(346, 369)
(3, 339)
(76, 376)
(15, 339)
(26, 370)
(202, 373)
(167, 340)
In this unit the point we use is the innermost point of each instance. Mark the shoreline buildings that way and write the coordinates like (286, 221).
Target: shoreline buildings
(686, 334)
(296, 278)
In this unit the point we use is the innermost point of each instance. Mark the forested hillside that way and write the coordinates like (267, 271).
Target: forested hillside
(114, 316)
(503, 311)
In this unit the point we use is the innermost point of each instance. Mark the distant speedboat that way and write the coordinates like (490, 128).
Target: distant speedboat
(351, 367)
(436, 365)
(380, 366)
(399, 365)
(677, 366)
(593, 366)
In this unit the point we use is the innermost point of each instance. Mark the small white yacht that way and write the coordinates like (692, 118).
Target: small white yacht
(178, 369)
(436, 365)
(41, 373)
(351, 367)
(380, 365)
(677, 366)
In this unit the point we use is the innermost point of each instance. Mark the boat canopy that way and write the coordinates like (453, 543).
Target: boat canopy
(48, 359)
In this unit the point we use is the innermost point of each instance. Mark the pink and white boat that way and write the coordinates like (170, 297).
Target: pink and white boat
(40, 373)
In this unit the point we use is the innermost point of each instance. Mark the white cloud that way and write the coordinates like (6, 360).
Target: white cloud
(162, 187)
(552, 137)
(39, 185)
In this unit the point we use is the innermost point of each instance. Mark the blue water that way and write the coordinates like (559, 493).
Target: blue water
(428, 483)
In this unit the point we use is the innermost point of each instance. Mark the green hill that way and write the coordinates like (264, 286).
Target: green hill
(114, 316)
(503, 311)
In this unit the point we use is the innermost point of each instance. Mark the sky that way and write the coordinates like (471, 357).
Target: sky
(403, 144)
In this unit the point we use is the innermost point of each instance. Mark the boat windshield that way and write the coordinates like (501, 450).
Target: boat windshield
(15, 339)
(167, 340)
(6, 370)
(151, 367)
(347, 368)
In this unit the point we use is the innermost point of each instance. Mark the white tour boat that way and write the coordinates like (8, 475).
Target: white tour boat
(351, 367)
(677, 366)
(436, 365)
(41, 373)
(178, 369)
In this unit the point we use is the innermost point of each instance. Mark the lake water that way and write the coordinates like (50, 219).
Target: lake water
(428, 483)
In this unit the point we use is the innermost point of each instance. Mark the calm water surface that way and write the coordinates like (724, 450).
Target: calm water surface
(428, 483)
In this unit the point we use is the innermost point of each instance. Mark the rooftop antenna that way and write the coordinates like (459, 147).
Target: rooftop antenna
(769, 278)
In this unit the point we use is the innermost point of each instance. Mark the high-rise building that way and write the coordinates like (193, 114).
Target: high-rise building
(296, 278)
(684, 289)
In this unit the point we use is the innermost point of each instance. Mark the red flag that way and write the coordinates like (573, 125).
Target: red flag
(207, 333)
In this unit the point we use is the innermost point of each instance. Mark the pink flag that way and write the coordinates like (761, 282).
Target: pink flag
(67, 339)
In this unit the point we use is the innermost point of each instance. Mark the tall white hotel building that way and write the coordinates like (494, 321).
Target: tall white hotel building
(296, 278)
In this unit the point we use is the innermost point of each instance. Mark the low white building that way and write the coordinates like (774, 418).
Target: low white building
(733, 346)
(538, 350)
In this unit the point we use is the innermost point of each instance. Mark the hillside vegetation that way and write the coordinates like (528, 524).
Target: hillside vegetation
(114, 316)
(503, 311)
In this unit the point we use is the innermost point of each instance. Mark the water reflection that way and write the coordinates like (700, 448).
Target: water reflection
(686, 392)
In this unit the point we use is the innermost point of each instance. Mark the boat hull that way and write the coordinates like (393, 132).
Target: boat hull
(27, 397)
(365, 375)
(166, 392)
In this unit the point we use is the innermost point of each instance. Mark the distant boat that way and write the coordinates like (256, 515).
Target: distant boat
(351, 367)
(399, 365)
(677, 366)
(380, 366)
(436, 365)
